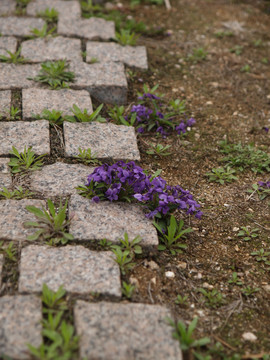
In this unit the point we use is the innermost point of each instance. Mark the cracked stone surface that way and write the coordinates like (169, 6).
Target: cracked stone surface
(91, 29)
(130, 331)
(36, 100)
(16, 76)
(1, 268)
(5, 175)
(7, 7)
(19, 26)
(20, 324)
(110, 221)
(23, 133)
(68, 10)
(78, 269)
(5, 102)
(54, 48)
(59, 179)
(7, 43)
(105, 140)
(105, 52)
(12, 217)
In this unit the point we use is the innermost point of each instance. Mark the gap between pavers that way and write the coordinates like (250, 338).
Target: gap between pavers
(130, 331)
(12, 217)
(7, 7)
(5, 174)
(5, 102)
(19, 26)
(34, 101)
(1, 268)
(59, 179)
(23, 134)
(78, 269)
(20, 324)
(104, 140)
(106, 220)
(7, 43)
(133, 56)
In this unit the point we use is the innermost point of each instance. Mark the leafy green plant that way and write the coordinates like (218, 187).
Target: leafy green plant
(10, 251)
(249, 291)
(93, 60)
(14, 113)
(234, 280)
(265, 61)
(17, 194)
(262, 192)
(213, 298)
(178, 106)
(13, 58)
(123, 259)
(53, 116)
(85, 156)
(116, 113)
(128, 289)
(170, 237)
(245, 68)
(158, 149)
(84, 116)
(262, 256)
(237, 50)
(50, 15)
(53, 300)
(181, 300)
(132, 246)
(88, 6)
(247, 233)
(24, 161)
(197, 55)
(54, 74)
(126, 37)
(51, 225)
(222, 34)
(105, 244)
(42, 33)
(185, 334)
(222, 175)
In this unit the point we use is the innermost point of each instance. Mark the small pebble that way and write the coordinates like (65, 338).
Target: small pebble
(207, 286)
(249, 336)
(170, 274)
(235, 229)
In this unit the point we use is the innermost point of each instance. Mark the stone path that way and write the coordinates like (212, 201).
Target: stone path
(111, 329)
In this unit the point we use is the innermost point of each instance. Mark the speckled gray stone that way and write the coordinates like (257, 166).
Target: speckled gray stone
(7, 43)
(69, 10)
(1, 268)
(19, 26)
(78, 269)
(59, 179)
(105, 52)
(12, 217)
(53, 48)
(110, 221)
(20, 324)
(5, 175)
(106, 82)
(91, 29)
(5, 102)
(124, 331)
(23, 133)
(105, 140)
(14, 76)
(36, 100)
(7, 7)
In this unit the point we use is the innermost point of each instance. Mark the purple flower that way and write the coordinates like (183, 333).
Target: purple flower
(266, 129)
(191, 122)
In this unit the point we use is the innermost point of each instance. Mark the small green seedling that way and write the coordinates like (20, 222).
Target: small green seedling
(249, 291)
(51, 224)
(222, 34)
(54, 300)
(86, 157)
(237, 50)
(132, 246)
(246, 68)
(178, 106)
(54, 116)
(197, 55)
(262, 256)
(93, 60)
(42, 33)
(170, 239)
(116, 113)
(9, 251)
(158, 149)
(265, 61)
(148, 90)
(261, 191)
(24, 161)
(185, 334)
(14, 113)
(247, 234)
(13, 58)
(50, 15)
(213, 298)
(105, 244)
(55, 74)
(17, 194)
(234, 280)
(89, 7)
(123, 259)
(128, 289)
(222, 175)
(258, 43)
(84, 116)
(181, 300)
(126, 37)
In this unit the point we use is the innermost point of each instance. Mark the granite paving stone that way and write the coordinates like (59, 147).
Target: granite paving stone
(68, 10)
(20, 324)
(7, 7)
(19, 26)
(5, 102)
(36, 100)
(59, 179)
(52, 48)
(105, 140)
(96, 221)
(91, 29)
(16, 76)
(130, 331)
(1, 268)
(105, 52)
(23, 134)
(7, 43)
(12, 217)
(78, 269)
(5, 174)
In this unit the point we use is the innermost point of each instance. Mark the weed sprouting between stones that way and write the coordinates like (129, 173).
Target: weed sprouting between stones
(24, 161)
(13, 58)
(50, 15)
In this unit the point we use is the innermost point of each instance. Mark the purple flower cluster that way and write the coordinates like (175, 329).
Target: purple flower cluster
(128, 182)
(264, 185)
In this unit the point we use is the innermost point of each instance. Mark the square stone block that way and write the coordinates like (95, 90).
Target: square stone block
(7, 43)
(68, 10)
(7, 7)
(5, 102)
(36, 100)
(14, 76)
(78, 269)
(129, 331)
(20, 324)
(105, 220)
(5, 174)
(59, 179)
(24, 134)
(105, 140)
(13, 215)
(19, 26)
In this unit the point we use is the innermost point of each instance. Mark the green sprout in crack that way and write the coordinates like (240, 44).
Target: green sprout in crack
(42, 33)
(24, 161)
(126, 37)
(128, 289)
(93, 60)
(10, 251)
(51, 224)
(86, 157)
(13, 58)
(14, 113)
(17, 194)
(123, 259)
(54, 116)
(132, 246)
(50, 15)
(55, 74)
(84, 116)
